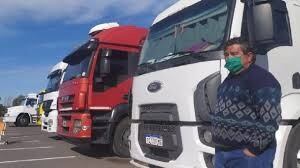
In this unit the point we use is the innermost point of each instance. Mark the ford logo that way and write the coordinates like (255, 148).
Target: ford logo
(154, 87)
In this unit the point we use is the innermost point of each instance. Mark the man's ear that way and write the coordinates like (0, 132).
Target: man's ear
(250, 57)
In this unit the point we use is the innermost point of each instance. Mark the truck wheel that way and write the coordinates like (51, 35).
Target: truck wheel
(292, 149)
(121, 141)
(23, 120)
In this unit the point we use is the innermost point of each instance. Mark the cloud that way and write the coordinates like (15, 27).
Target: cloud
(79, 11)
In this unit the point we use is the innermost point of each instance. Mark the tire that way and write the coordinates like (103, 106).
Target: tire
(23, 120)
(121, 142)
(292, 148)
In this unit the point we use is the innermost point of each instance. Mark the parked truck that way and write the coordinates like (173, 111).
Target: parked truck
(182, 65)
(24, 114)
(49, 105)
(93, 98)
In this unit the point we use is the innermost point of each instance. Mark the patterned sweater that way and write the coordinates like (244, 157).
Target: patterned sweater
(248, 111)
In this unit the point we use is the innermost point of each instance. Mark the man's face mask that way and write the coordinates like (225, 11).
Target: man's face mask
(234, 64)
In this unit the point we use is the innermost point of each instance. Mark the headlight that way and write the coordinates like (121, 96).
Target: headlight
(50, 122)
(77, 123)
(77, 126)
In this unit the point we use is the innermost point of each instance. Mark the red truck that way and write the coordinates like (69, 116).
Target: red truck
(93, 98)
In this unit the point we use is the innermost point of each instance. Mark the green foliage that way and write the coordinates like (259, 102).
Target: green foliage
(3, 110)
(17, 101)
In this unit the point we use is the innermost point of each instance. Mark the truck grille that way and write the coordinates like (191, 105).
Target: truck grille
(168, 132)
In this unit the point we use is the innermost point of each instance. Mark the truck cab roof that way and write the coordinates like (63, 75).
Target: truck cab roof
(61, 66)
(122, 35)
(31, 95)
(178, 6)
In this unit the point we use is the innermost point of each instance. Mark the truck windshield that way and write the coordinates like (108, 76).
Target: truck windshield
(78, 70)
(31, 102)
(54, 81)
(79, 63)
(198, 28)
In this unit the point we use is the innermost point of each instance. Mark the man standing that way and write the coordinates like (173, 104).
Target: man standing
(247, 113)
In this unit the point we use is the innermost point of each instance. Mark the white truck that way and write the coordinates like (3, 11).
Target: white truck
(24, 114)
(182, 65)
(49, 105)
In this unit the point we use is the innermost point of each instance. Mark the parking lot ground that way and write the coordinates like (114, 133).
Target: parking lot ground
(28, 147)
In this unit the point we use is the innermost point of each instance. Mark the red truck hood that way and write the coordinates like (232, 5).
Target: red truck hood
(72, 94)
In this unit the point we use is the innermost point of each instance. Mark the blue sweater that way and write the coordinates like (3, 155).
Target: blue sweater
(248, 111)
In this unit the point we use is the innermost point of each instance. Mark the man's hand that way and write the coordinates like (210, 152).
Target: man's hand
(248, 153)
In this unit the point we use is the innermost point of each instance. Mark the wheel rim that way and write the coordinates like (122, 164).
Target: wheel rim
(23, 120)
(125, 137)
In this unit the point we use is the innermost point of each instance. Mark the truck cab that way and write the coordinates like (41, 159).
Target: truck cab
(93, 98)
(182, 65)
(49, 105)
(25, 113)
(39, 108)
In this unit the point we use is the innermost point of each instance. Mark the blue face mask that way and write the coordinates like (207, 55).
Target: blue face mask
(234, 64)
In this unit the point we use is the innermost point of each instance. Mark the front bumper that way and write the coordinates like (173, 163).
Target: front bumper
(46, 126)
(9, 119)
(66, 125)
(192, 156)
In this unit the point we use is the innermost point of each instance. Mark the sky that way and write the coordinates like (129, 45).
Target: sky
(37, 34)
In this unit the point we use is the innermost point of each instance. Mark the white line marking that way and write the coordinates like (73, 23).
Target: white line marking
(15, 137)
(31, 141)
(14, 149)
(42, 159)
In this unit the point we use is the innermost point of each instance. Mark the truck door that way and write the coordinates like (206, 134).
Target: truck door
(112, 78)
(31, 105)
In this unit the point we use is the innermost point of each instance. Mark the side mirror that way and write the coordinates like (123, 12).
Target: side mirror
(105, 66)
(93, 44)
(268, 24)
(105, 62)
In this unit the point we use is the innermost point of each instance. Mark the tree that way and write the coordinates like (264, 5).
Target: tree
(7, 101)
(17, 101)
(3, 110)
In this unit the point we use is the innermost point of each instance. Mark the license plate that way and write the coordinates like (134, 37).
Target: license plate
(64, 123)
(155, 140)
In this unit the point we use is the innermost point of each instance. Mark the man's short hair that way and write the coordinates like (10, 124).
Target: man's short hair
(246, 48)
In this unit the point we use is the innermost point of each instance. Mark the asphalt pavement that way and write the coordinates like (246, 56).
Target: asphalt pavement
(28, 147)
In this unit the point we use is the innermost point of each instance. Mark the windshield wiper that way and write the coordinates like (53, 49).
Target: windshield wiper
(175, 55)
(146, 67)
